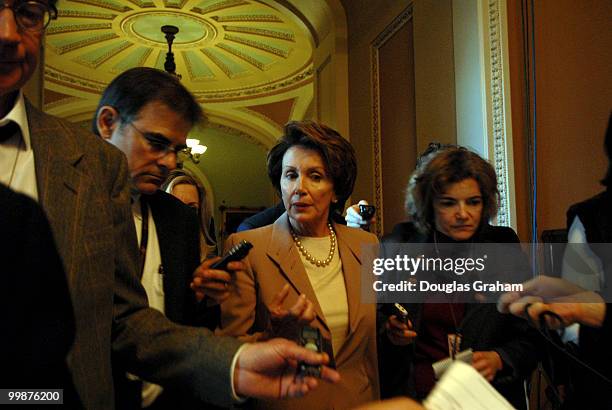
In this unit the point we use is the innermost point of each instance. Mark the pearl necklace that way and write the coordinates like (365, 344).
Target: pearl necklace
(312, 259)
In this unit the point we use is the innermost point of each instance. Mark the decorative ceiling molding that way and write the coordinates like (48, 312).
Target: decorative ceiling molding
(213, 57)
(105, 4)
(234, 131)
(71, 28)
(246, 57)
(175, 4)
(63, 13)
(88, 40)
(143, 3)
(298, 80)
(289, 36)
(72, 81)
(229, 54)
(218, 6)
(258, 45)
(253, 18)
(97, 57)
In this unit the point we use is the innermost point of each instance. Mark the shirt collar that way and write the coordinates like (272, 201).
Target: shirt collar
(19, 115)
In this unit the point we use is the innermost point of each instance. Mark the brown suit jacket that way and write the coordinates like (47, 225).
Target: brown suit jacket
(83, 188)
(274, 261)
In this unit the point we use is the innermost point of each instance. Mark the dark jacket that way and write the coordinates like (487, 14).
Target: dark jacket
(35, 306)
(587, 390)
(483, 329)
(178, 235)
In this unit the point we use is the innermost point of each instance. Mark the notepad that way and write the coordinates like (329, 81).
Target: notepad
(462, 387)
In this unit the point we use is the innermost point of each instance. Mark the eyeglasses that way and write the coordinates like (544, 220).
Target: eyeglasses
(159, 145)
(32, 16)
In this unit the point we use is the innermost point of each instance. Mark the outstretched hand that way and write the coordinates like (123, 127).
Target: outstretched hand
(267, 370)
(214, 283)
(399, 333)
(570, 302)
(287, 322)
(354, 219)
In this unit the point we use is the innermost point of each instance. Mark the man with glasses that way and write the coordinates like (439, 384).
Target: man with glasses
(81, 183)
(150, 123)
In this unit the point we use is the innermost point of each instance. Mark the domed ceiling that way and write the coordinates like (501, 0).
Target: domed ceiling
(246, 61)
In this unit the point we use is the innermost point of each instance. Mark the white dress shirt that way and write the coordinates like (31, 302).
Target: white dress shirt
(153, 282)
(17, 169)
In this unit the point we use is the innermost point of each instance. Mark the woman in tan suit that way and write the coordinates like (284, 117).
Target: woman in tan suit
(305, 253)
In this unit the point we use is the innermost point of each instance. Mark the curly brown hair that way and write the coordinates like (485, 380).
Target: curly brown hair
(337, 153)
(439, 169)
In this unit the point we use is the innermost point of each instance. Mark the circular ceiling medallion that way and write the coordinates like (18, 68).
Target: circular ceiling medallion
(147, 26)
(225, 50)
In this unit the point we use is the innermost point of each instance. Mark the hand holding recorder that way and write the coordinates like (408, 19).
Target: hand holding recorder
(213, 276)
(399, 327)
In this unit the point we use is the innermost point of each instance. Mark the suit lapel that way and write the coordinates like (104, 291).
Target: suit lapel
(282, 250)
(169, 250)
(59, 182)
(350, 253)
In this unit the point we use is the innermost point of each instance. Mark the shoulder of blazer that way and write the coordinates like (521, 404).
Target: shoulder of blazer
(95, 154)
(258, 236)
(356, 235)
(41, 122)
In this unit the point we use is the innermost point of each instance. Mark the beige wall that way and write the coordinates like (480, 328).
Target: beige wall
(574, 99)
(365, 20)
(434, 72)
(398, 142)
(434, 97)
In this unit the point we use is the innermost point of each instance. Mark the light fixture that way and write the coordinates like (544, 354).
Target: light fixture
(170, 65)
(195, 149)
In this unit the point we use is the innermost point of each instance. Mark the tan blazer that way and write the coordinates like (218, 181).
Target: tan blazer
(274, 261)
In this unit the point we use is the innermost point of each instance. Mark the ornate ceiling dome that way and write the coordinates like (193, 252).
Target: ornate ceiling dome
(225, 49)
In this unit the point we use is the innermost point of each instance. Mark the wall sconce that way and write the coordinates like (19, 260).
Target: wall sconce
(195, 149)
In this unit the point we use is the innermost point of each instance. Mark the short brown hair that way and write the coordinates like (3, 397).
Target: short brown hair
(436, 171)
(337, 153)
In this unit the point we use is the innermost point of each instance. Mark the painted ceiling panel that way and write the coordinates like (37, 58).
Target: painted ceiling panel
(197, 69)
(65, 44)
(260, 61)
(159, 61)
(225, 50)
(275, 49)
(135, 58)
(175, 4)
(101, 54)
(229, 66)
(142, 3)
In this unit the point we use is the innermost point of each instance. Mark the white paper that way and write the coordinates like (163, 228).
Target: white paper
(462, 387)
